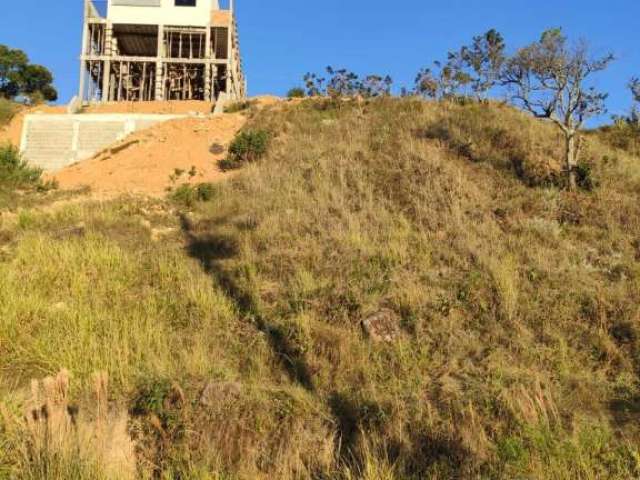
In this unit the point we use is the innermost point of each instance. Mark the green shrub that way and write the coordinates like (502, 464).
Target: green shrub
(188, 194)
(248, 146)
(585, 174)
(296, 92)
(14, 171)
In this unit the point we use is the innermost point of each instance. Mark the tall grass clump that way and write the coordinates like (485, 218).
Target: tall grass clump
(8, 110)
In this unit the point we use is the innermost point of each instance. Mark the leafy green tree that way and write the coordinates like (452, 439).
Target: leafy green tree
(37, 80)
(12, 62)
(548, 78)
(19, 78)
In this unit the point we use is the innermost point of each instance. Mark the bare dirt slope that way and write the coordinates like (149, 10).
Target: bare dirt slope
(144, 162)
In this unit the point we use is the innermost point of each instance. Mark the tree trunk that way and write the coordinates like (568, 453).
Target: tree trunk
(571, 160)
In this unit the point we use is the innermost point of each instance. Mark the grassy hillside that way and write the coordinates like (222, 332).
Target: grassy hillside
(231, 331)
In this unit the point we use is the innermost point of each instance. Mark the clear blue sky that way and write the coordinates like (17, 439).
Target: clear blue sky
(281, 40)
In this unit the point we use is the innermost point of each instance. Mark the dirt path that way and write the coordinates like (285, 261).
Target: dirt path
(144, 162)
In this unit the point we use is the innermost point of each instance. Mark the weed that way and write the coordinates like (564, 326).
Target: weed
(248, 146)
(188, 194)
(296, 92)
(238, 106)
(14, 171)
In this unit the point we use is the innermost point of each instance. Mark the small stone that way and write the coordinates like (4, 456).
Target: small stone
(382, 326)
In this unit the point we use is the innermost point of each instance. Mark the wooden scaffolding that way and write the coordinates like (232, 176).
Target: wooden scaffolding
(160, 62)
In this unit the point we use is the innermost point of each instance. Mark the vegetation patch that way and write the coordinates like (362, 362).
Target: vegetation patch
(240, 106)
(248, 146)
(8, 109)
(14, 171)
(296, 92)
(188, 194)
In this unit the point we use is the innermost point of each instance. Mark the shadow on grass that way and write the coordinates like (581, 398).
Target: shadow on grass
(418, 455)
(212, 250)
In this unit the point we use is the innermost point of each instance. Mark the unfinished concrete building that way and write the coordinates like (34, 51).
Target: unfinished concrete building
(156, 50)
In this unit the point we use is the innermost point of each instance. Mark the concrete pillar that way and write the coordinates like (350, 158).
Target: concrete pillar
(207, 65)
(214, 77)
(83, 53)
(160, 74)
(230, 50)
(106, 65)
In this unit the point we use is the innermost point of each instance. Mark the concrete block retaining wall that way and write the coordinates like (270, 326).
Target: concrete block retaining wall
(53, 142)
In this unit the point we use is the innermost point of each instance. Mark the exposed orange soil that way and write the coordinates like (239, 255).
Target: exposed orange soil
(144, 161)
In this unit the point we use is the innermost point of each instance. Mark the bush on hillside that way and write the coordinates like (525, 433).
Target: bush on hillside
(188, 195)
(14, 171)
(248, 146)
(296, 92)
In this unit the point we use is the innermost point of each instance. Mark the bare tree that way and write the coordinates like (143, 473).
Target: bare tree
(548, 78)
(443, 81)
(375, 86)
(634, 86)
(484, 58)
